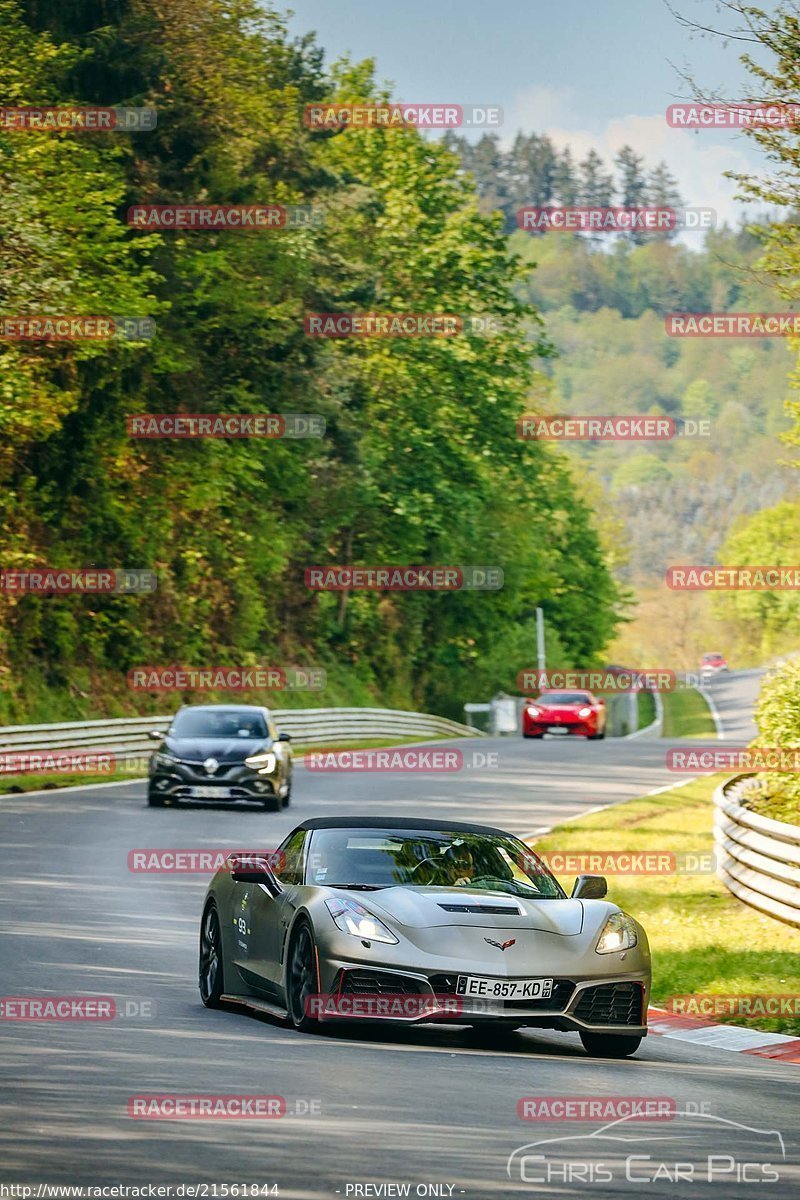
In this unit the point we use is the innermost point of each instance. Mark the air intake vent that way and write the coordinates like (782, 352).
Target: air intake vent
(497, 910)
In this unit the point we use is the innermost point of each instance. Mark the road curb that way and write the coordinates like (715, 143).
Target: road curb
(737, 1038)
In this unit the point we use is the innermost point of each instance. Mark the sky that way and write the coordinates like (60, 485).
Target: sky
(590, 73)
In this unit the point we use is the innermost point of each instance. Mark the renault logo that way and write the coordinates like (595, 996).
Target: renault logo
(210, 765)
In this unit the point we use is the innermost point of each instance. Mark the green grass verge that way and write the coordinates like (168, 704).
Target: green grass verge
(646, 706)
(686, 714)
(37, 783)
(30, 697)
(702, 939)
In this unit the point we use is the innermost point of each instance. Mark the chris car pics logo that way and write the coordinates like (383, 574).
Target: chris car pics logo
(629, 1154)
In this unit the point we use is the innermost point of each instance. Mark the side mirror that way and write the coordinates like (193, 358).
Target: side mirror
(156, 735)
(284, 737)
(590, 887)
(249, 868)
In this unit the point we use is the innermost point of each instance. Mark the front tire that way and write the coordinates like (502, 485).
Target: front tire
(609, 1045)
(534, 736)
(211, 975)
(288, 797)
(154, 800)
(301, 977)
(272, 804)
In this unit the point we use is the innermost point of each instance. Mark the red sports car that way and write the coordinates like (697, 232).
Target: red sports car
(712, 664)
(564, 712)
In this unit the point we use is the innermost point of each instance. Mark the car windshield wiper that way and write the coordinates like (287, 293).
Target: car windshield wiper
(359, 887)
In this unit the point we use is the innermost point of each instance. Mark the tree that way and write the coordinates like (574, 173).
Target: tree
(596, 187)
(632, 186)
(765, 623)
(531, 170)
(776, 76)
(565, 182)
(661, 191)
(421, 462)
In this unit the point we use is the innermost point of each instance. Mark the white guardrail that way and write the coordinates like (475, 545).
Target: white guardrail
(758, 859)
(127, 737)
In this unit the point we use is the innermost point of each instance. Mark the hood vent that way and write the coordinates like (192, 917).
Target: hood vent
(497, 910)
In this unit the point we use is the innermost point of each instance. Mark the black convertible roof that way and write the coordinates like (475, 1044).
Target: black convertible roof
(345, 822)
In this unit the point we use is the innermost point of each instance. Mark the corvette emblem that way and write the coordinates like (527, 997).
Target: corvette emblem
(501, 945)
(210, 765)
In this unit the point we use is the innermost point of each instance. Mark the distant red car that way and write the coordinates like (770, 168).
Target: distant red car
(578, 713)
(712, 664)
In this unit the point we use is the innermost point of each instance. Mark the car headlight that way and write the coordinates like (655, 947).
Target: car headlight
(584, 712)
(533, 710)
(165, 760)
(263, 763)
(619, 933)
(352, 917)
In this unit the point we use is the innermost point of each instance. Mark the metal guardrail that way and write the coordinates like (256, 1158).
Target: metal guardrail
(127, 737)
(622, 714)
(758, 859)
(321, 726)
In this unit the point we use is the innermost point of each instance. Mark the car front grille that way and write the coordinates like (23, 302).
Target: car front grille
(377, 983)
(611, 1004)
(184, 792)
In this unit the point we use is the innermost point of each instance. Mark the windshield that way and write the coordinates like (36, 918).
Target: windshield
(211, 723)
(564, 698)
(380, 858)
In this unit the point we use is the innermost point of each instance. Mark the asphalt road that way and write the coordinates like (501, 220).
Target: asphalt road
(427, 1107)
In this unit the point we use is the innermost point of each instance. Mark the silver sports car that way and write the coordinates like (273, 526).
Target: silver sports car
(419, 920)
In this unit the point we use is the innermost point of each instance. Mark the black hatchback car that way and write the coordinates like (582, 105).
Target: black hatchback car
(221, 753)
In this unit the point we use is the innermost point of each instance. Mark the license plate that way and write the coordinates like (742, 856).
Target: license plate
(556, 729)
(504, 989)
(210, 793)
